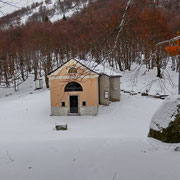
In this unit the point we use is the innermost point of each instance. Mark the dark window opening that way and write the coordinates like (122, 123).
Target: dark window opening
(84, 103)
(63, 104)
(72, 70)
(73, 86)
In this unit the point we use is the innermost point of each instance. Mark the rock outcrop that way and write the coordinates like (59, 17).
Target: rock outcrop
(165, 124)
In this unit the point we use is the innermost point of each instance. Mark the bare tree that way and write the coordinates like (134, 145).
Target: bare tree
(170, 41)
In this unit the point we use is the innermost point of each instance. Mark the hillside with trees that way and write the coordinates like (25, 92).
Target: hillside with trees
(39, 45)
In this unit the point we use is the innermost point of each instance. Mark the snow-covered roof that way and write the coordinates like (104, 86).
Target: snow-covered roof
(100, 68)
(94, 67)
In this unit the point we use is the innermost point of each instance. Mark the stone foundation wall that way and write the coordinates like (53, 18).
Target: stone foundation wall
(59, 111)
(88, 110)
(84, 111)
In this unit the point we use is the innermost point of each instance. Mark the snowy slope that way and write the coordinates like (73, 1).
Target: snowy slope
(13, 5)
(52, 10)
(139, 79)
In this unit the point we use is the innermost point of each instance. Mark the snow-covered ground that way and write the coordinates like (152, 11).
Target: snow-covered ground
(139, 79)
(110, 146)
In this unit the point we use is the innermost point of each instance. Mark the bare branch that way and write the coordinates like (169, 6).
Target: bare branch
(168, 41)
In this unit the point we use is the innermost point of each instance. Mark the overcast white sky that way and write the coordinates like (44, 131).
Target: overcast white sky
(6, 8)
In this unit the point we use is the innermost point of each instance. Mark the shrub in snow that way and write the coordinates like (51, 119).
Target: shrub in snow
(165, 124)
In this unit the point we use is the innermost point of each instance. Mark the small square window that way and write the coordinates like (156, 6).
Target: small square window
(84, 103)
(63, 104)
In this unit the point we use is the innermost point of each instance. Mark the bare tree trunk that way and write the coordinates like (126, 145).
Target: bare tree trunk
(22, 67)
(179, 75)
(158, 66)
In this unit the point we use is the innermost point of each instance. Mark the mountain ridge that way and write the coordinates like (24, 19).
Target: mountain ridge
(38, 11)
